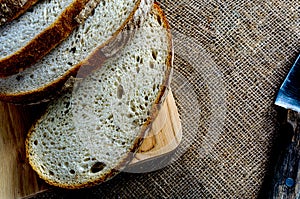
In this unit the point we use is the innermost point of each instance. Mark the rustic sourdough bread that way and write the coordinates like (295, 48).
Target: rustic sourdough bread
(91, 132)
(11, 9)
(101, 36)
(28, 38)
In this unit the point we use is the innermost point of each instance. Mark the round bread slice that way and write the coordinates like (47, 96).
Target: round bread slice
(101, 36)
(25, 41)
(11, 9)
(28, 38)
(90, 133)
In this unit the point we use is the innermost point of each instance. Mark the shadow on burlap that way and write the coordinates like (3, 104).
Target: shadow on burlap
(230, 59)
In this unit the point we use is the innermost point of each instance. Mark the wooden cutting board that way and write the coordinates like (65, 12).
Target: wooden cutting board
(18, 180)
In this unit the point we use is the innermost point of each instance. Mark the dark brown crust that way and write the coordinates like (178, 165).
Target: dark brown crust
(145, 128)
(86, 66)
(10, 10)
(43, 42)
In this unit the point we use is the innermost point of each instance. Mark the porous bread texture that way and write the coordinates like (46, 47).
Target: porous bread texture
(22, 30)
(42, 42)
(88, 133)
(109, 16)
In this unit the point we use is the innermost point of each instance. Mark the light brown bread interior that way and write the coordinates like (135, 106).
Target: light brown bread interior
(112, 23)
(91, 132)
(27, 39)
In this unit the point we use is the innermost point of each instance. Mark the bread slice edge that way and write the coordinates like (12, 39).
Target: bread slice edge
(11, 10)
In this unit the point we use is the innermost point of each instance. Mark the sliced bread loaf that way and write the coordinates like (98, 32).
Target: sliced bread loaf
(11, 9)
(28, 38)
(101, 36)
(91, 132)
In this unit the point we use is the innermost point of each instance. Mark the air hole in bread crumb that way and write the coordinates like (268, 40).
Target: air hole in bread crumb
(51, 173)
(133, 108)
(97, 167)
(42, 168)
(19, 77)
(135, 122)
(151, 64)
(35, 142)
(141, 107)
(120, 92)
(159, 20)
(67, 104)
(62, 148)
(154, 54)
(73, 50)
(72, 171)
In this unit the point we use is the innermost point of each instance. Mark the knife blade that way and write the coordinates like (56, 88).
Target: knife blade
(288, 96)
(286, 177)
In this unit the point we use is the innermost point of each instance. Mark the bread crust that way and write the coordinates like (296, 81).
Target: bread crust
(164, 89)
(45, 41)
(10, 10)
(94, 61)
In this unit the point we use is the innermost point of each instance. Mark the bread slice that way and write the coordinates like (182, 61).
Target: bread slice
(101, 36)
(28, 38)
(91, 132)
(11, 9)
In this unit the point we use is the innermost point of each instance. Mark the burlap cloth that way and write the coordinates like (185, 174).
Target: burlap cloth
(230, 59)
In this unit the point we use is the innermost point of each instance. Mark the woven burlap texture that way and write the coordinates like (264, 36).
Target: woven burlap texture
(230, 59)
